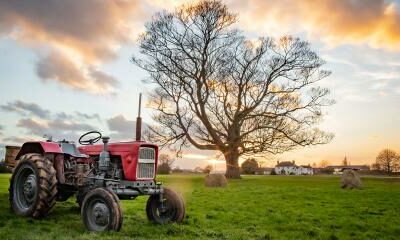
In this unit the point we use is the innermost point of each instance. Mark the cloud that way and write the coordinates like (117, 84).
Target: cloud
(33, 126)
(77, 35)
(33, 109)
(59, 68)
(375, 22)
(122, 128)
(88, 116)
(41, 128)
(25, 108)
(397, 90)
(18, 140)
(78, 116)
(74, 38)
(65, 125)
(386, 74)
(58, 129)
(336, 22)
(42, 121)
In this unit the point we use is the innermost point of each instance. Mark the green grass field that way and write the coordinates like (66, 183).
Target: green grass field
(259, 207)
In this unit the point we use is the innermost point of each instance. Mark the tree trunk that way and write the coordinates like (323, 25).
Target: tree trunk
(232, 164)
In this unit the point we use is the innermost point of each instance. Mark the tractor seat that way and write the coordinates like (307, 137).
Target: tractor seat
(70, 148)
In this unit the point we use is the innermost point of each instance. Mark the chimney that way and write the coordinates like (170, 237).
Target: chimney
(293, 162)
(139, 121)
(277, 162)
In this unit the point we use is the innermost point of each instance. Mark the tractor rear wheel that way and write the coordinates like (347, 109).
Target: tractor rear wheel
(101, 211)
(33, 186)
(170, 209)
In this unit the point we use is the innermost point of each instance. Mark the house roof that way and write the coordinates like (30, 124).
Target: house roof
(306, 166)
(286, 164)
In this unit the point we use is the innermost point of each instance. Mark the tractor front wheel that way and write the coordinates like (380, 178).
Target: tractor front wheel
(33, 186)
(171, 208)
(101, 211)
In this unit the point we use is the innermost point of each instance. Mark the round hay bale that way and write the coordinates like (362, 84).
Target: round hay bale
(351, 179)
(215, 180)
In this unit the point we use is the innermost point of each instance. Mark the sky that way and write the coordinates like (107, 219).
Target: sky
(65, 69)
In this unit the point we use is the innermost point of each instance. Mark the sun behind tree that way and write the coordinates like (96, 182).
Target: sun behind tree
(217, 90)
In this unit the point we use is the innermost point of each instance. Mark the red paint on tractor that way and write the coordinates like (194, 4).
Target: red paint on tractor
(50, 147)
(39, 147)
(127, 151)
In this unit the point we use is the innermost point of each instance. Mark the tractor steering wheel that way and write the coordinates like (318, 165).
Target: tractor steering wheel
(91, 140)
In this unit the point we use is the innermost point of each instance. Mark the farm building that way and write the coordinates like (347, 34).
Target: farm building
(264, 171)
(290, 168)
(338, 169)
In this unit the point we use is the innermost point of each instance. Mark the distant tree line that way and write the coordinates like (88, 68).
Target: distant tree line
(387, 161)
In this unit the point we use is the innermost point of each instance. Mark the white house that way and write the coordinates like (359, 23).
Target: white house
(290, 168)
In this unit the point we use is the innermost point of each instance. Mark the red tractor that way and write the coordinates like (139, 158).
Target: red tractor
(99, 175)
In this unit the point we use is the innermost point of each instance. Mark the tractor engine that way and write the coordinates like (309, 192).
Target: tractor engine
(112, 171)
(76, 170)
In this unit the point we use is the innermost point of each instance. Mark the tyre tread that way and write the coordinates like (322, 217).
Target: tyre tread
(47, 188)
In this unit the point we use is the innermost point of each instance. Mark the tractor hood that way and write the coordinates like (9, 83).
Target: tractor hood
(115, 148)
(133, 157)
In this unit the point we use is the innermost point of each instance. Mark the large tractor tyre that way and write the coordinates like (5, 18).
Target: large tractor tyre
(101, 211)
(33, 186)
(170, 209)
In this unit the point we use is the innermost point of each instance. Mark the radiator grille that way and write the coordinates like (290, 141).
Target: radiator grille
(146, 153)
(145, 170)
(146, 163)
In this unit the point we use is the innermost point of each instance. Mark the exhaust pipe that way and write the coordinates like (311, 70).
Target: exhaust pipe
(139, 121)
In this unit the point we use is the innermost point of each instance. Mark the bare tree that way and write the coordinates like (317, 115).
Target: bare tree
(387, 160)
(324, 163)
(216, 90)
(314, 165)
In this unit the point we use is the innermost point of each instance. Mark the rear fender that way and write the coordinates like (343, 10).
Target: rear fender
(38, 147)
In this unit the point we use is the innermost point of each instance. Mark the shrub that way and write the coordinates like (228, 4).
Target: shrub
(4, 168)
(163, 168)
(327, 171)
(177, 170)
(249, 166)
